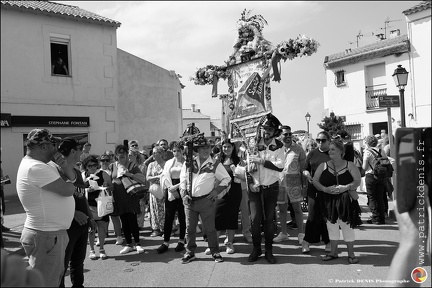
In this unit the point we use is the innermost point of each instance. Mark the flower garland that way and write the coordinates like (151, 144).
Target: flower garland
(250, 44)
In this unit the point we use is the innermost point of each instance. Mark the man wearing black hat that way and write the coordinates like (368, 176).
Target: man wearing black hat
(76, 249)
(262, 203)
(47, 199)
(201, 200)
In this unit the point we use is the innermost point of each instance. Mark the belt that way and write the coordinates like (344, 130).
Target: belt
(199, 197)
(269, 186)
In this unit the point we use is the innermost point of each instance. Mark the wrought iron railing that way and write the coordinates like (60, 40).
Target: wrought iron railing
(372, 93)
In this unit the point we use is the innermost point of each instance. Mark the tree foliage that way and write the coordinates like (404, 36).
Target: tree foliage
(332, 124)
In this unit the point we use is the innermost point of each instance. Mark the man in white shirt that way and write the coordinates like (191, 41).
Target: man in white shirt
(200, 201)
(48, 203)
(262, 203)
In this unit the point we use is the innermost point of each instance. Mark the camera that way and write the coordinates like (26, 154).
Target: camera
(413, 164)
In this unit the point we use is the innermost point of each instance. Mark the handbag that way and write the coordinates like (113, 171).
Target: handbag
(156, 190)
(104, 203)
(132, 186)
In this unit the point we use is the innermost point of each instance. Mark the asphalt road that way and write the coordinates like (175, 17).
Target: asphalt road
(375, 246)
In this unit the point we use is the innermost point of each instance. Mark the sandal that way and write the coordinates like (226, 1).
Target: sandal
(352, 260)
(328, 257)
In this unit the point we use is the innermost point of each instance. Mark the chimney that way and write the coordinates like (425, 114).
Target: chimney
(394, 33)
(193, 107)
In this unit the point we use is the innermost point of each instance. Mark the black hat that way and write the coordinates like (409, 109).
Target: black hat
(273, 122)
(67, 144)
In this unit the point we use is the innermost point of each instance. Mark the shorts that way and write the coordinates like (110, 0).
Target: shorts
(294, 194)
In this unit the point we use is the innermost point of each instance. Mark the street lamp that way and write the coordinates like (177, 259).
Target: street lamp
(400, 76)
(307, 116)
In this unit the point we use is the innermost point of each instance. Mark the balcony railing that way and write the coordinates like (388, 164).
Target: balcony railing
(372, 93)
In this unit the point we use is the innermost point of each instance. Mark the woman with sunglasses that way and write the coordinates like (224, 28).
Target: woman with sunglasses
(92, 172)
(125, 204)
(105, 160)
(316, 229)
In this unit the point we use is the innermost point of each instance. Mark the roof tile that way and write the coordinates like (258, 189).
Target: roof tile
(417, 8)
(59, 9)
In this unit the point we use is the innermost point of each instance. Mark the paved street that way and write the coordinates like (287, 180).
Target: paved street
(375, 246)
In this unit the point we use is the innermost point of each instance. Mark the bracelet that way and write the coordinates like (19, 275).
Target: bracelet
(70, 181)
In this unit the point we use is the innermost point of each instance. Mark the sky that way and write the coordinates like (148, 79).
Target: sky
(186, 35)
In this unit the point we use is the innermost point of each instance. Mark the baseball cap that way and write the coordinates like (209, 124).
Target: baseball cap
(40, 136)
(67, 144)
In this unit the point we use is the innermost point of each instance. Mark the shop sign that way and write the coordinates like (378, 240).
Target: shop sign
(50, 121)
(6, 120)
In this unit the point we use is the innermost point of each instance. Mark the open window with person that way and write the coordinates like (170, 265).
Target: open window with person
(59, 59)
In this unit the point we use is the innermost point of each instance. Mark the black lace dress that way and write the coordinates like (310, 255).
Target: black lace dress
(338, 206)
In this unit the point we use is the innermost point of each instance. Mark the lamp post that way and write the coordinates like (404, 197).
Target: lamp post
(400, 76)
(307, 116)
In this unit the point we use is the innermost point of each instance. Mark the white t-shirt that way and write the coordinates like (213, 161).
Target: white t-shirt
(46, 211)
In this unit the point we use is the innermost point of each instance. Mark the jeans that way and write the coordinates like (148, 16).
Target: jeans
(206, 209)
(263, 203)
(376, 191)
(46, 252)
(75, 254)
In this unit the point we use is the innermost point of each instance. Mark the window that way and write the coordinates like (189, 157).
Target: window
(354, 130)
(340, 78)
(60, 60)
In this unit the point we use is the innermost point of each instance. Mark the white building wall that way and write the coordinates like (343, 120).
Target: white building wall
(350, 100)
(419, 33)
(149, 105)
(28, 89)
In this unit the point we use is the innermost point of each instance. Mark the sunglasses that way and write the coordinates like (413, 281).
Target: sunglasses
(286, 134)
(134, 145)
(92, 166)
(321, 140)
(104, 160)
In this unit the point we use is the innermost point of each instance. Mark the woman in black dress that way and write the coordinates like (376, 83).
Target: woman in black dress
(316, 229)
(339, 179)
(227, 207)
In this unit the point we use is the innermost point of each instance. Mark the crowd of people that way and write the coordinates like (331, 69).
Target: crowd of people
(210, 192)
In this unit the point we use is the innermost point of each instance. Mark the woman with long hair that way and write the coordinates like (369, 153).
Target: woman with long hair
(126, 204)
(157, 209)
(227, 207)
(339, 179)
(316, 229)
(173, 202)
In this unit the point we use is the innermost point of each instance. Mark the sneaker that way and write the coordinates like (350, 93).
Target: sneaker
(327, 247)
(102, 254)
(188, 258)
(218, 258)
(281, 237)
(179, 247)
(305, 247)
(119, 240)
(156, 233)
(207, 251)
(248, 238)
(92, 255)
(139, 249)
(301, 237)
(126, 250)
(229, 248)
(292, 225)
(162, 248)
